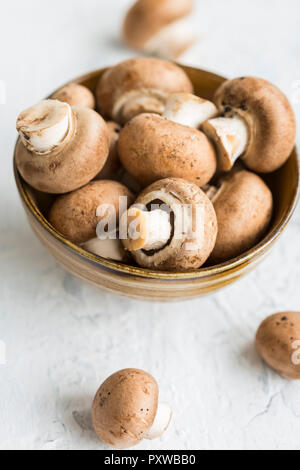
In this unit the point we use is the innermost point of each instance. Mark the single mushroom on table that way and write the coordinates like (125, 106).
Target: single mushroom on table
(153, 148)
(256, 124)
(278, 343)
(244, 205)
(75, 95)
(126, 409)
(77, 215)
(139, 85)
(159, 27)
(112, 167)
(60, 148)
(172, 226)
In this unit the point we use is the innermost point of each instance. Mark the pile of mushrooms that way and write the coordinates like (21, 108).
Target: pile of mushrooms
(166, 180)
(157, 176)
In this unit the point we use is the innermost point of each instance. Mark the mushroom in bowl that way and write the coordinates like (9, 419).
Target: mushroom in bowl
(257, 124)
(77, 215)
(134, 281)
(139, 85)
(244, 208)
(153, 148)
(177, 229)
(60, 148)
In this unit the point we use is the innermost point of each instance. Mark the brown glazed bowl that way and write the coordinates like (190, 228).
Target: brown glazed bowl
(143, 284)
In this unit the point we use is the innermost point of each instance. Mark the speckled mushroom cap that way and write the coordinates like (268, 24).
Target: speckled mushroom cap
(125, 407)
(188, 250)
(73, 165)
(74, 215)
(244, 206)
(154, 78)
(269, 116)
(278, 343)
(75, 95)
(148, 17)
(112, 165)
(152, 148)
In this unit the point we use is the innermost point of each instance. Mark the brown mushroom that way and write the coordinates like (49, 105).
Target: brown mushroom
(75, 95)
(112, 166)
(126, 409)
(244, 206)
(159, 27)
(78, 214)
(139, 85)
(60, 148)
(172, 226)
(257, 124)
(152, 148)
(278, 343)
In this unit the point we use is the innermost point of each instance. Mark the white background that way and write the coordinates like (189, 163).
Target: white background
(63, 338)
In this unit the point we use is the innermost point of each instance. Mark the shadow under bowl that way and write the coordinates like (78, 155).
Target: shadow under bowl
(148, 285)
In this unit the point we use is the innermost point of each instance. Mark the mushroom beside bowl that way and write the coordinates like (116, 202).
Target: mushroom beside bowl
(149, 285)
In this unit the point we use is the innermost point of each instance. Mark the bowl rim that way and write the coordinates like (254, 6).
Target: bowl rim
(202, 273)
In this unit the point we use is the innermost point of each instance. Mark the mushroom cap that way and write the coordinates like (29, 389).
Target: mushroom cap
(189, 251)
(74, 215)
(270, 118)
(139, 74)
(125, 407)
(278, 343)
(75, 95)
(147, 17)
(72, 165)
(244, 206)
(152, 148)
(112, 165)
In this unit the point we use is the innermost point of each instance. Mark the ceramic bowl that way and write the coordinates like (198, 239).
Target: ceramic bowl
(143, 284)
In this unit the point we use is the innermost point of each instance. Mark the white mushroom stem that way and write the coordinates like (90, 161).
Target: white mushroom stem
(161, 422)
(172, 40)
(231, 137)
(137, 101)
(45, 125)
(147, 230)
(189, 110)
(111, 249)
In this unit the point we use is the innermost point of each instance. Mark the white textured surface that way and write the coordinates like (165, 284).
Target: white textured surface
(63, 338)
